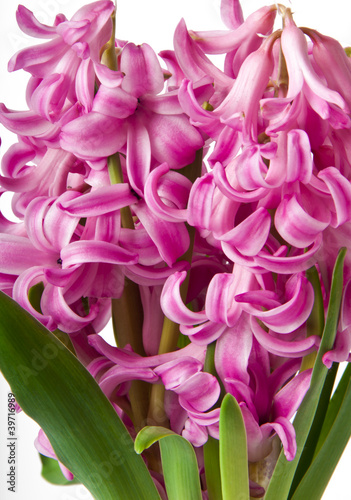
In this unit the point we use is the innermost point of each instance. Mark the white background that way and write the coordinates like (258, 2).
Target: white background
(153, 22)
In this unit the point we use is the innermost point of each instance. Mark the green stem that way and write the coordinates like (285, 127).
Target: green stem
(127, 311)
(315, 322)
(109, 57)
(170, 330)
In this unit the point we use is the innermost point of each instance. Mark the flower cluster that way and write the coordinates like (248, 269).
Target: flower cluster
(118, 206)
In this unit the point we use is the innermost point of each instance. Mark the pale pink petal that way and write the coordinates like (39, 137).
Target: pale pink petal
(231, 13)
(143, 73)
(82, 251)
(99, 201)
(340, 190)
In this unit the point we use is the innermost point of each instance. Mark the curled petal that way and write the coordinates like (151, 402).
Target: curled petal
(205, 333)
(117, 375)
(44, 447)
(130, 359)
(17, 254)
(54, 304)
(291, 349)
(297, 226)
(341, 349)
(231, 13)
(176, 372)
(286, 432)
(21, 289)
(225, 187)
(151, 276)
(175, 188)
(288, 399)
(143, 73)
(30, 25)
(249, 236)
(173, 305)
(199, 392)
(200, 201)
(280, 263)
(220, 42)
(286, 317)
(340, 190)
(27, 123)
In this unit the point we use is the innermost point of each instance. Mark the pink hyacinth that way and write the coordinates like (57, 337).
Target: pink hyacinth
(232, 185)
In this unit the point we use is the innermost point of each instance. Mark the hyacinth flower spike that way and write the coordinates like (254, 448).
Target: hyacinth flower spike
(201, 209)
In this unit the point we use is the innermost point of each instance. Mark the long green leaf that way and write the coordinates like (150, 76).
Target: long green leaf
(318, 475)
(212, 469)
(334, 406)
(233, 451)
(54, 389)
(280, 483)
(179, 464)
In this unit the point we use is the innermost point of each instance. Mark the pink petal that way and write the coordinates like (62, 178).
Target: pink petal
(291, 349)
(173, 139)
(233, 350)
(286, 317)
(288, 399)
(138, 154)
(17, 254)
(296, 225)
(172, 240)
(143, 73)
(175, 190)
(231, 13)
(93, 136)
(114, 102)
(99, 201)
(173, 305)
(340, 190)
(82, 251)
(249, 236)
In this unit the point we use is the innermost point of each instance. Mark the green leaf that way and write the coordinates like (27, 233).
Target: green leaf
(149, 435)
(233, 451)
(179, 463)
(54, 389)
(334, 406)
(284, 471)
(212, 470)
(51, 471)
(333, 444)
